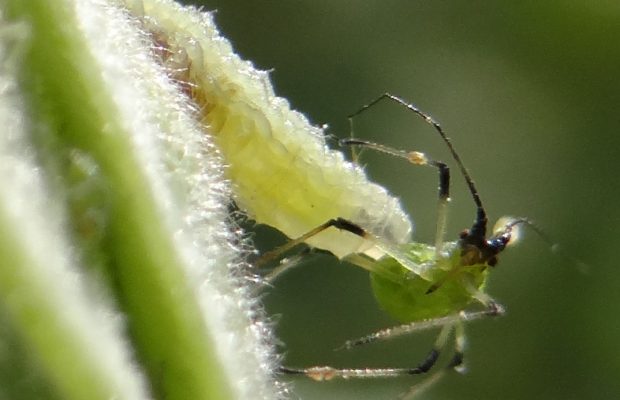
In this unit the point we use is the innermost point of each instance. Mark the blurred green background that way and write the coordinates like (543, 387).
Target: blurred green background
(530, 94)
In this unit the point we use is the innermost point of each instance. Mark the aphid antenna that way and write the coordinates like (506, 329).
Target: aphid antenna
(554, 246)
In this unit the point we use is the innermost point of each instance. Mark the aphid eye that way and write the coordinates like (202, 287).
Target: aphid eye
(510, 226)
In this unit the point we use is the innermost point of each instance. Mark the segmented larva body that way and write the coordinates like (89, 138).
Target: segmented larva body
(282, 171)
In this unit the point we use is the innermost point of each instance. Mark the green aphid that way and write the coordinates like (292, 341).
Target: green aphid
(423, 286)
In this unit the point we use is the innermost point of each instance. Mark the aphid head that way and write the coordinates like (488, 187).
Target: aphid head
(511, 227)
(477, 249)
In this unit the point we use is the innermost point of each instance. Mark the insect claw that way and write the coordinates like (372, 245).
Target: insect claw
(495, 309)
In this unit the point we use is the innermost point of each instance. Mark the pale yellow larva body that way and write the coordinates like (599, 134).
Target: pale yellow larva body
(282, 171)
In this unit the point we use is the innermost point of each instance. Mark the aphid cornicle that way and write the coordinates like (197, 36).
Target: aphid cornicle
(424, 286)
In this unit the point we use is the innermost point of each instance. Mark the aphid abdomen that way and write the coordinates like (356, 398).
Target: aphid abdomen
(407, 299)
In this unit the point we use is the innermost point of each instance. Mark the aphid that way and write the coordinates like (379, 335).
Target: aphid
(424, 286)
(285, 176)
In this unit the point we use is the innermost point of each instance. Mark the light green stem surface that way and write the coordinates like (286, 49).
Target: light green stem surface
(117, 245)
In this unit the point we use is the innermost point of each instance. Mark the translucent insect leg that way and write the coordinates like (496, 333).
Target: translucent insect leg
(339, 223)
(447, 324)
(455, 364)
(418, 158)
(354, 154)
(478, 230)
(343, 224)
(285, 265)
(325, 373)
(460, 343)
(428, 119)
(492, 309)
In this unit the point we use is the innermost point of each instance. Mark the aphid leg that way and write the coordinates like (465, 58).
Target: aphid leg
(339, 223)
(460, 342)
(491, 309)
(418, 158)
(478, 230)
(359, 260)
(428, 119)
(354, 154)
(325, 373)
(447, 323)
(285, 265)
(455, 364)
